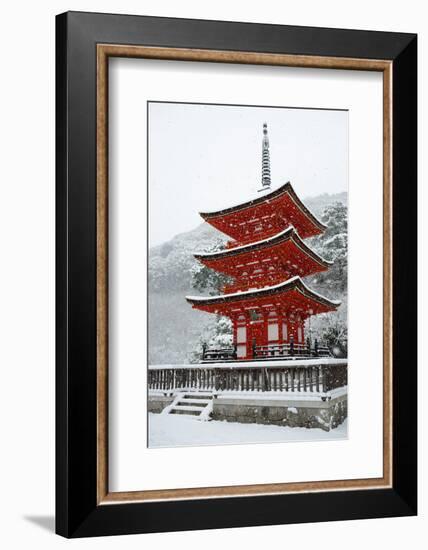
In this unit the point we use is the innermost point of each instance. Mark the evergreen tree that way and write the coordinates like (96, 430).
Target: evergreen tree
(208, 280)
(332, 245)
(218, 333)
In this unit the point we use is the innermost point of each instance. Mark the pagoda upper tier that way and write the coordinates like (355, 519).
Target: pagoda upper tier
(265, 216)
(267, 261)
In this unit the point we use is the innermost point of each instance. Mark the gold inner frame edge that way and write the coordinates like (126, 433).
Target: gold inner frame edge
(104, 52)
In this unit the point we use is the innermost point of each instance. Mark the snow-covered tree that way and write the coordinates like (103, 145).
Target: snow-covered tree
(222, 336)
(217, 334)
(331, 328)
(333, 245)
(208, 280)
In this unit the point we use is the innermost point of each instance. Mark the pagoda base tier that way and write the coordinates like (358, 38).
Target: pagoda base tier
(269, 321)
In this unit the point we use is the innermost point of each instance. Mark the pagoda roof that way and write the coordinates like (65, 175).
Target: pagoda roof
(259, 294)
(288, 234)
(247, 209)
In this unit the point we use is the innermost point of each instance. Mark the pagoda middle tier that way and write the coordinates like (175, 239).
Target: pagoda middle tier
(265, 262)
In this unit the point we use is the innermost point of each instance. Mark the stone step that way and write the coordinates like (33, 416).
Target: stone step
(192, 411)
(199, 396)
(201, 403)
(186, 408)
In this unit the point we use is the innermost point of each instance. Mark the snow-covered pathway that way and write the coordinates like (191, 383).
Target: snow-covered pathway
(179, 430)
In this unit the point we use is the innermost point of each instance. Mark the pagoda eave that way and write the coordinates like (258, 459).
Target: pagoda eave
(292, 294)
(286, 246)
(266, 208)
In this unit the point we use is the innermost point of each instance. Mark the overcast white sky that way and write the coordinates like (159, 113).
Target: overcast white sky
(205, 157)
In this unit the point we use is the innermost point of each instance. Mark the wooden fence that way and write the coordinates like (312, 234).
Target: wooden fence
(307, 378)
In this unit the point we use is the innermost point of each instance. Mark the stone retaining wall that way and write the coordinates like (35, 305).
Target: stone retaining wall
(289, 411)
(157, 403)
(326, 414)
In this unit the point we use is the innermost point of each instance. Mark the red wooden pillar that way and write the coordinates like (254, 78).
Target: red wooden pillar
(284, 328)
(240, 335)
(280, 321)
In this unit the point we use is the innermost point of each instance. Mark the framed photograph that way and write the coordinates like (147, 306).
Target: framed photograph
(236, 274)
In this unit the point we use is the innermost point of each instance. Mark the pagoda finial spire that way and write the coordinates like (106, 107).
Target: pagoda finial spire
(265, 160)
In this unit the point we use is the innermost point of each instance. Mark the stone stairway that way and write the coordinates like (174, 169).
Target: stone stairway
(198, 403)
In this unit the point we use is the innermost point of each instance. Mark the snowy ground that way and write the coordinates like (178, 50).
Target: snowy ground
(178, 431)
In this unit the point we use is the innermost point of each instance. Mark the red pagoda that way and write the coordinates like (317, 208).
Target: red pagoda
(268, 303)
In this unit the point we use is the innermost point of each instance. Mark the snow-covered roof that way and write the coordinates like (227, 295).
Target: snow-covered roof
(246, 246)
(249, 199)
(263, 198)
(293, 283)
(290, 232)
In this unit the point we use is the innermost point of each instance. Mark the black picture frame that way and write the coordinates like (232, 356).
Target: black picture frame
(77, 511)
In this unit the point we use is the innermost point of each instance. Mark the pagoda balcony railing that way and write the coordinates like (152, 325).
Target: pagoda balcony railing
(290, 350)
(219, 354)
(305, 378)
